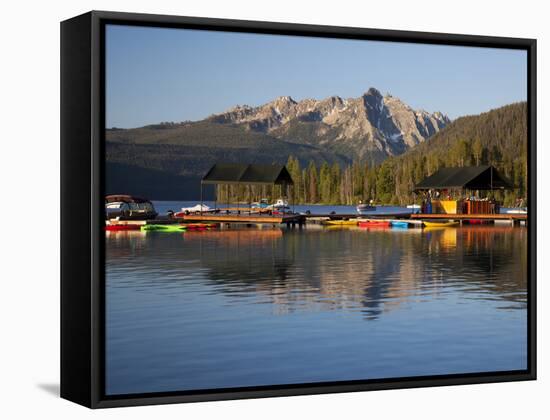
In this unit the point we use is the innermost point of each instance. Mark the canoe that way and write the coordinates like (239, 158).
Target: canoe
(340, 222)
(441, 224)
(399, 224)
(374, 223)
(121, 227)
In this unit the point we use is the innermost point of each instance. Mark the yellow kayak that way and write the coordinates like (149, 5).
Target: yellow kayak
(340, 222)
(441, 224)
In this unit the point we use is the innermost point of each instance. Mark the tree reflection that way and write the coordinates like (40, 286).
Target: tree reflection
(368, 271)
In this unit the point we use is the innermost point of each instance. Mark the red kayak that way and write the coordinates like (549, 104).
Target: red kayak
(201, 226)
(122, 227)
(477, 222)
(374, 223)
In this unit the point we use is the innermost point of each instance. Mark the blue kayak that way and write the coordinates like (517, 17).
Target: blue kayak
(399, 224)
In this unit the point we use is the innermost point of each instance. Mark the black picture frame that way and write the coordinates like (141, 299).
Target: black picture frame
(82, 207)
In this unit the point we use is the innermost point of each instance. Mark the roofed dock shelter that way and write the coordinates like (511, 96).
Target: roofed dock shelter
(470, 178)
(247, 175)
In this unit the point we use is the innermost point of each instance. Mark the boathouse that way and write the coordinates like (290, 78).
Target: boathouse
(248, 175)
(452, 188)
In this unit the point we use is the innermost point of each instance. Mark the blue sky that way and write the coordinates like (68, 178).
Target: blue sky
(157, 74)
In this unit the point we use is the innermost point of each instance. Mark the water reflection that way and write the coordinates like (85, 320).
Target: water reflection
(250, 307)
(371, 271)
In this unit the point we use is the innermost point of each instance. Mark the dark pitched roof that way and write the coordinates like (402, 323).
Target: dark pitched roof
(236, 173)
(125, 199)
(471, 177)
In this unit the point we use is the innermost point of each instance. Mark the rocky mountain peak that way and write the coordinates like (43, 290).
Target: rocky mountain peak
(282, 104)
(369, 125)
(373, 92)
(285, 100)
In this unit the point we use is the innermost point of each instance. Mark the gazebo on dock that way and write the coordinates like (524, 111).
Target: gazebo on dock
(247, 175)
(470, 178)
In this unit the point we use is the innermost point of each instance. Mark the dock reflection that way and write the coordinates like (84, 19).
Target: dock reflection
(371, 272)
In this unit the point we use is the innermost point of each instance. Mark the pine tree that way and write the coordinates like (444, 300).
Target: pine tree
(313, 195)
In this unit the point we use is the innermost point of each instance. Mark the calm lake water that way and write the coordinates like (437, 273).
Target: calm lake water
(250, 307)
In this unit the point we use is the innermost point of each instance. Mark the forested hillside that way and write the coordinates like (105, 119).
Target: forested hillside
(166, 161)
(497, 137)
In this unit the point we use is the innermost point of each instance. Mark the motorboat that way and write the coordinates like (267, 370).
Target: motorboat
(198, 208)
(262, 204)
(280, 204)
(517, 211)
(127, 207)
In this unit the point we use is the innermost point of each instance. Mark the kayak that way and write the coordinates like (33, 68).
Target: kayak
(399, 224)
(477, 222)
(374, 223)
(121, 227)
(441, 224)
(163, 228)
(340, 222)
(201, 225)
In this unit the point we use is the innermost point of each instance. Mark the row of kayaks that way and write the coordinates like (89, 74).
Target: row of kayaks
(162, 228)
(403, 224)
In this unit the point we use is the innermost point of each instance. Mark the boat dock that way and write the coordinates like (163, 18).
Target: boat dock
(291, 220)
(513, 218)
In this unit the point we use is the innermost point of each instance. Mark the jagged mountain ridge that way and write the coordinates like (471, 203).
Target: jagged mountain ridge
(370, 127)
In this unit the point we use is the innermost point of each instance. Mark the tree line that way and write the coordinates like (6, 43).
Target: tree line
(497, 138)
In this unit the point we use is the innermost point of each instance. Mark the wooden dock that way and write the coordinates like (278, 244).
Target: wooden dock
(292, 220)
(445, 216)
(288, 219)
(241, 210)
(366, 215)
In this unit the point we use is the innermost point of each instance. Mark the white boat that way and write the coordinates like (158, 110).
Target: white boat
(280, 204)
(413, 206)
(517, 211)
(196, 209)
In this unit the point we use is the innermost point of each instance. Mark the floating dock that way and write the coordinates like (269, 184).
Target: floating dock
(288, 219)
(292, 220)
(502, 216)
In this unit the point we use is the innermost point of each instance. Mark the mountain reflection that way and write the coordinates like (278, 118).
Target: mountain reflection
(366, 271)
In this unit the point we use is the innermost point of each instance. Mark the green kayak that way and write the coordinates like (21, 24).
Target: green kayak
(164, 228)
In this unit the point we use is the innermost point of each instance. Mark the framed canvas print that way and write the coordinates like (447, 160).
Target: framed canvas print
(255, 209)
